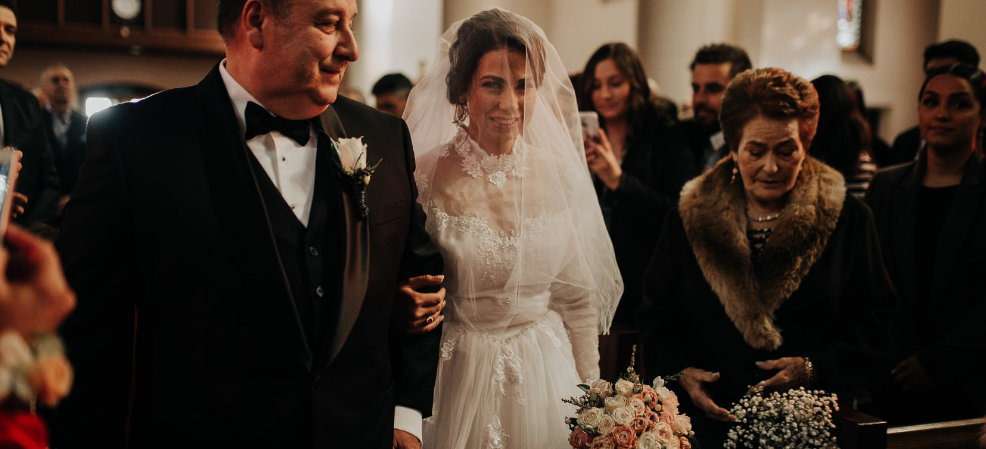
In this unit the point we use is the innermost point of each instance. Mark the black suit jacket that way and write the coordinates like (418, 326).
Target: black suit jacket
(950, 341)
(23, 128)
(69, 157)
(166, 220)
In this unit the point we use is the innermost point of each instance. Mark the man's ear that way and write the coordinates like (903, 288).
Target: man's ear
(252, 21)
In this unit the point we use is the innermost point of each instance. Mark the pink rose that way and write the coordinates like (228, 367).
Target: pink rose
(579, 439)
(601, 387)
(603, 443)
(51, 378)
(625, 436)
(652, 419)
(664, 433)
(640, 424)
(667, 418)
(648, 395)
(685, 444)
(670, 400)
(682, 425)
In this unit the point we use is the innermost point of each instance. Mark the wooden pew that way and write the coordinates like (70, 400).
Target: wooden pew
(857, 430)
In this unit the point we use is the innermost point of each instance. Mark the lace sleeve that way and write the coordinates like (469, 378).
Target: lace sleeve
(579, 314)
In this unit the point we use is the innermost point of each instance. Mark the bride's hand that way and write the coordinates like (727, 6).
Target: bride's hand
(416, 312)
(791, 373)
(602, 160)
(693, 381)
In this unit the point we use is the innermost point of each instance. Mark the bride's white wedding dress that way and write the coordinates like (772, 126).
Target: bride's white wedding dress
(507, 354)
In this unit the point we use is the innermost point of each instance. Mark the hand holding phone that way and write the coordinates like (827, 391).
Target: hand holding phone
(590, 124)
(9, 166)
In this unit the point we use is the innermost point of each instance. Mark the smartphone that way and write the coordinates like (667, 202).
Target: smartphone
(9, 166)
(590, 124)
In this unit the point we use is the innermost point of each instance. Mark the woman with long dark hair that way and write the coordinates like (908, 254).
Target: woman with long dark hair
(639, 162)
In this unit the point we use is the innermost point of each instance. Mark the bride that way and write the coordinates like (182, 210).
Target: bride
(530, 274)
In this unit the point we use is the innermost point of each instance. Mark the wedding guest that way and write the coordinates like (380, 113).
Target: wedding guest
(639, 162)
(713, 67)
(768, 271)
(24, 129)
(941, 54)
(65, 126)
(843, 137)
(930, 214)
(531, 276)
(390, 93)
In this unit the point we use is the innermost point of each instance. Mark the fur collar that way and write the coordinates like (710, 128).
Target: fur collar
(714, 215)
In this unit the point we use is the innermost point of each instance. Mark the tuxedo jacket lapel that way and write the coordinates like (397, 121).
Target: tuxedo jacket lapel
(241, 210)
(355, 272)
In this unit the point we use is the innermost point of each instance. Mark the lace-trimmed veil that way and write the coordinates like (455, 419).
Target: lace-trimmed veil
(533, 210)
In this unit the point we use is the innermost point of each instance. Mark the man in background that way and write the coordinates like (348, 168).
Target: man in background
(22, 127)
(66, 127)
(391, 93)
(714, 66)
(909, 143)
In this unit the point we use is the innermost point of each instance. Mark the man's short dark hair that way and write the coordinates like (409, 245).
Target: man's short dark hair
(719, 53)
(392, 83)
(963, 51)
(9, 4)
(228, 13)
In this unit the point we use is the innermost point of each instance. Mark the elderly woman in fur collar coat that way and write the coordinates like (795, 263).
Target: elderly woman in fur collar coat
(768, 274)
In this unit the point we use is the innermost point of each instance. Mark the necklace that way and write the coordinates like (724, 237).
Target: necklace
(765, 218)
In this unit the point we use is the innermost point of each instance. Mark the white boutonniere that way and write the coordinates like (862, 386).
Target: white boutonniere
(353, 169)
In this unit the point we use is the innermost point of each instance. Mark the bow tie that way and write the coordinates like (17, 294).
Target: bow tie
(260, 122)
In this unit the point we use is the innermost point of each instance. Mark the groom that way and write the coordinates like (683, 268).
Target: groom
(231, 292)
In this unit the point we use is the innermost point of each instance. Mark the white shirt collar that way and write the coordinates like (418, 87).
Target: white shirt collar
(239, 96)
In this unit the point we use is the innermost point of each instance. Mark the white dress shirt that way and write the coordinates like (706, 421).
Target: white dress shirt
(292, 169)
(291, 166)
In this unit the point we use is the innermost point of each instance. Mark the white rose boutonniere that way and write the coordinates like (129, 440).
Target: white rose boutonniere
(352, 162)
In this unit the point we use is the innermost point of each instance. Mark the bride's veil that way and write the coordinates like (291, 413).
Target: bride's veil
(534, 212)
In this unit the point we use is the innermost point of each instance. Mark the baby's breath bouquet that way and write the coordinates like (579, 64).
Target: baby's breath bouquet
(628, 414)
(791, 420)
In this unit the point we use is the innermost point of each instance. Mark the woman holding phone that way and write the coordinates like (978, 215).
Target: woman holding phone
(639, 163)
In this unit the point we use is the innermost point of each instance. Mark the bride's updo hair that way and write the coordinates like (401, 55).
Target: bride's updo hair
(487, 31)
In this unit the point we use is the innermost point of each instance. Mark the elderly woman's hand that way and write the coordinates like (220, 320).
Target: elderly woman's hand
(602, 160)
(693, 381)
(791, 373)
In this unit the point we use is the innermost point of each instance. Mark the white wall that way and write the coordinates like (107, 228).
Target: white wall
(800, 36)
(964, 19)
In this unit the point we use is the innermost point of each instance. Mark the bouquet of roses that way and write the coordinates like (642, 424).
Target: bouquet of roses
(628, 414)
(794, 419)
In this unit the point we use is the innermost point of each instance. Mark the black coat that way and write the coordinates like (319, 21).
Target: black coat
(655, 166)
(950, 341)
(68, 158)
(167, 221)
(24, 129)
(837, 313)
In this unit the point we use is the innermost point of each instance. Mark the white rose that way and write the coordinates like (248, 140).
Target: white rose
(352, 153)
(658, 382)
(624, 388)
(647, 440)
(616, 402)
(663, 433)
(638, 406)
(590, 417)
(662, 393)
(682, 425)
(601, 387)
(606, 425)
(623, 415)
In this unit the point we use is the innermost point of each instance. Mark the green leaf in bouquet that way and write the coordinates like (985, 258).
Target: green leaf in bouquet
(584, 387)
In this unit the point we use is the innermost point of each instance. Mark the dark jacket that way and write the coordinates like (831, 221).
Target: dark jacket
(949, 339)
(68, 157)
(24, 129)
(167, 221)
(818, 290)
(655, 166)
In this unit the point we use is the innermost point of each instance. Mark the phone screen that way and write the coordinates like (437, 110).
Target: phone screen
(590, 124)
(9, 162)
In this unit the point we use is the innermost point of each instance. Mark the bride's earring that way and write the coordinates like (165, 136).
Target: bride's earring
(735, 171)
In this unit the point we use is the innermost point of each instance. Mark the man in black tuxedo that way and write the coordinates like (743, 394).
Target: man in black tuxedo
(224, 269)
(65, 127)
(23, 128)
